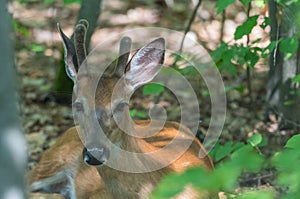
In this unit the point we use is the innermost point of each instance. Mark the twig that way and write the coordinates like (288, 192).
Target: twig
(222, 25)
(258, 177)
(187, 29)
(248, 72)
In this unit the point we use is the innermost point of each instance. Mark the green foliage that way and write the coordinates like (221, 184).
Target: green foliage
(265, 194)
(223, 57)
(153, 89)
(296, 79)
(51, 1)
(287, 2)
(240, 89)
(224, 177)
(260, 3)
(227, 56)
(288, 46)
(138, 114)
(223, 4)
(267, 50)
(246, 27)
(37, 48)
(72, 1)
(19, 28)
(240, 158)
(220, 152)
(265, 23)
(255, 140)
(287, 164)
(245, 2)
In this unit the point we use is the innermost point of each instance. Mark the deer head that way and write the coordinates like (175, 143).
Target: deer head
(96, 106)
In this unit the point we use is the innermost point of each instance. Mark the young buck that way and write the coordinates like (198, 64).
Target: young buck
(107, 133)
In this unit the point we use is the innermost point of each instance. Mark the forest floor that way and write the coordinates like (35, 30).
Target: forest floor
(38, 55)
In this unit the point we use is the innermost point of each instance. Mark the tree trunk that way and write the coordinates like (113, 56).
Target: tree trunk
(283, 98)
(12, 142)
(89, 10)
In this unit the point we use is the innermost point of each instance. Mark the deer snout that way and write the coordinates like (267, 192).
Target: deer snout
(95, 156)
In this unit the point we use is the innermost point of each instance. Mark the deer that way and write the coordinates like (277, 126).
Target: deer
(85, 162)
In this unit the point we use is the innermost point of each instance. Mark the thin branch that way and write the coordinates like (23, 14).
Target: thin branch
(187, 29)
(248, 72)
(222, 25)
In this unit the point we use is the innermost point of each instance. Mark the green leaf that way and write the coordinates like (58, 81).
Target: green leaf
(223, 4)
(223, 151)
(267, 50)
(153, 89)
(37, 48)
(265, 23)
(245, 2)
(260, 3)
(286, 2)
(136, 113)
(288, 102)
(265, 194)
(257, 41)
(246, 154)
(288, 45)
(293, 142)
(72, 1)
(246, 27)
(255, 139)
(188, 71)
(49, 1)
(132, 112)
(222, 57)
(296, 79)
(264, 142)
(251, 58)
(169, 186)
(20, 28)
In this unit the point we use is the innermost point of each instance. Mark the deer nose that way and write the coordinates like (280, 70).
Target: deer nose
(95, 156)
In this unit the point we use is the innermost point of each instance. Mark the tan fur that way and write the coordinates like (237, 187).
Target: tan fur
(61, 168)
(66, 154)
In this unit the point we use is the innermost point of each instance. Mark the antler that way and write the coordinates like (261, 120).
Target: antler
(124, 51)
(79, 38)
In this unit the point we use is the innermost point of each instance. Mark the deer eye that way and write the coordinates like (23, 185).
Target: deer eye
(120, 107)
(78, 106)
(99, 114)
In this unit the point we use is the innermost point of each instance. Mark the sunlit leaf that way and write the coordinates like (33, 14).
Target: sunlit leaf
(265, 194)
(255, 139)
(294, 142)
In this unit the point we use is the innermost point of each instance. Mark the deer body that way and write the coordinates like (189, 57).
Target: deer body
(63, 164)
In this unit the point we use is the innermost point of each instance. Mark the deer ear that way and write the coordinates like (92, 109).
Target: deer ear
(70, 56)
(146, 63)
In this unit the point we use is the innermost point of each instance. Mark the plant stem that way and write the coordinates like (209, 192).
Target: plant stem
(248, 72)
(188, 27)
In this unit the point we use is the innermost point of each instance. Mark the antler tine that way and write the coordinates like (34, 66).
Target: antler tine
(79, 39)
(84, 22)
(124, 51)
